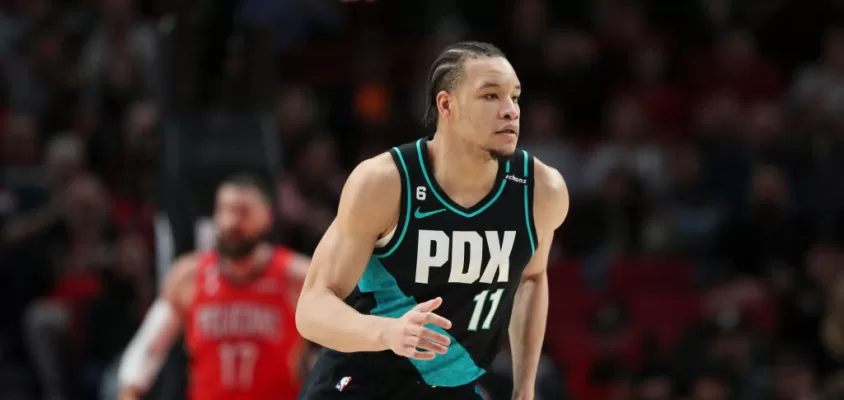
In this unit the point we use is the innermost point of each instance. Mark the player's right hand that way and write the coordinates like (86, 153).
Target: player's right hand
(408, 337)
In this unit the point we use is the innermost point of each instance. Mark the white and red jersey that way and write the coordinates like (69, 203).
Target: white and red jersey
(241, 337)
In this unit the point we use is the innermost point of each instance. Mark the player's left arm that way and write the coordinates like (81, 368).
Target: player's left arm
(530, 309)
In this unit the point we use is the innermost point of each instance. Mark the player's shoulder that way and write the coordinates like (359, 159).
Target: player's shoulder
(551, 195)
(376, 173)
(549, 179)
(372, 192)
(186, 265)
(181, 274)
(372, 183)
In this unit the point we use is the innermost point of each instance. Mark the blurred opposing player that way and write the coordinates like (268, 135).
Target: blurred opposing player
(236, 305)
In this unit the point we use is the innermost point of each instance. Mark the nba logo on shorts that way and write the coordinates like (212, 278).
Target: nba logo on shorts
(343, 383)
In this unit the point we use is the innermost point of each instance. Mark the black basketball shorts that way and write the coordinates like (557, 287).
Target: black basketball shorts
(344, 377)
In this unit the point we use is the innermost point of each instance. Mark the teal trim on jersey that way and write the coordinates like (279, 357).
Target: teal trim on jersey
(456, 367)
(527, 158)
(449, 206)
(527, 207)
(407, 213)
(478, 392)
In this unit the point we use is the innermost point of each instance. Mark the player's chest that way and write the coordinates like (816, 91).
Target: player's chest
(225, 317)
(490, 254)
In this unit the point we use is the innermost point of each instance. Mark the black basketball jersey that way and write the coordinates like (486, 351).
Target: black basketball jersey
(471, 257)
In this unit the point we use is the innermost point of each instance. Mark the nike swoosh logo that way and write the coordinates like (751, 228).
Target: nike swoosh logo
(419, 215)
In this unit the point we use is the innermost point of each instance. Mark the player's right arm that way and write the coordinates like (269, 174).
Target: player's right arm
(369, 207)
(146, 353)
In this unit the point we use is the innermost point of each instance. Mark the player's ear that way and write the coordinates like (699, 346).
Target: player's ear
(444, 103)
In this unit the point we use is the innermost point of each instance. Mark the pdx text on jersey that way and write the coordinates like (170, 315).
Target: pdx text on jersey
(216, 321)
(435, 247)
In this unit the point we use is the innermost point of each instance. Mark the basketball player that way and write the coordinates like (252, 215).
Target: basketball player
(236, 306)
(440, 246)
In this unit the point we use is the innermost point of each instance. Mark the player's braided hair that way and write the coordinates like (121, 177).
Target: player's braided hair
(447, 70)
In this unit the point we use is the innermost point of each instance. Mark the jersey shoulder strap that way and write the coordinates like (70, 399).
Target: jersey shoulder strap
(206, 260)
(281, 258)
(524, 164)
(524, 170)
(409, 161)
(206, 277)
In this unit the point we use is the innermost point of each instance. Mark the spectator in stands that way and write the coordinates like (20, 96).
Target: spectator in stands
(529, 24)
(21, 152)
(647, 80)
(692, 214)
(764, 138)
(711, 386)
(32, 231)
(82, 245)
(309, 196)
(295, 114)
(717, 128)
(113, 316)
(803, 304)
(499, 386)
(820, 86)
(13, 27)
(292, 21)
(572, 69)
(654, 384)
(85, 127)
(737, 67)
(609, 326)
(630, 147)
(64, 160)
(793, 376)
(39, 81)
(611, 221)
(766, 232)
(724, 338)
(119, 59)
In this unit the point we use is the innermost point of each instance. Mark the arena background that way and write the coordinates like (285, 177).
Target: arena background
(701, 141)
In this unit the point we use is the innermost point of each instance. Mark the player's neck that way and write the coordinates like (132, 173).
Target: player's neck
(249, 266)
(458, 166)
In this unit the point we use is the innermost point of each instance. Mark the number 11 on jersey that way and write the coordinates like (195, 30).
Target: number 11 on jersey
(480, 300)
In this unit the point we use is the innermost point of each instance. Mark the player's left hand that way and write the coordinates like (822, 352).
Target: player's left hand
(408, 337)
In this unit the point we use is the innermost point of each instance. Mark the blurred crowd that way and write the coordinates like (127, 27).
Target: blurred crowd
(701, 142)
(77, 110)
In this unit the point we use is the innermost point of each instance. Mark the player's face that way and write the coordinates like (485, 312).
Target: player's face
(487, 112)
(242, 218)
